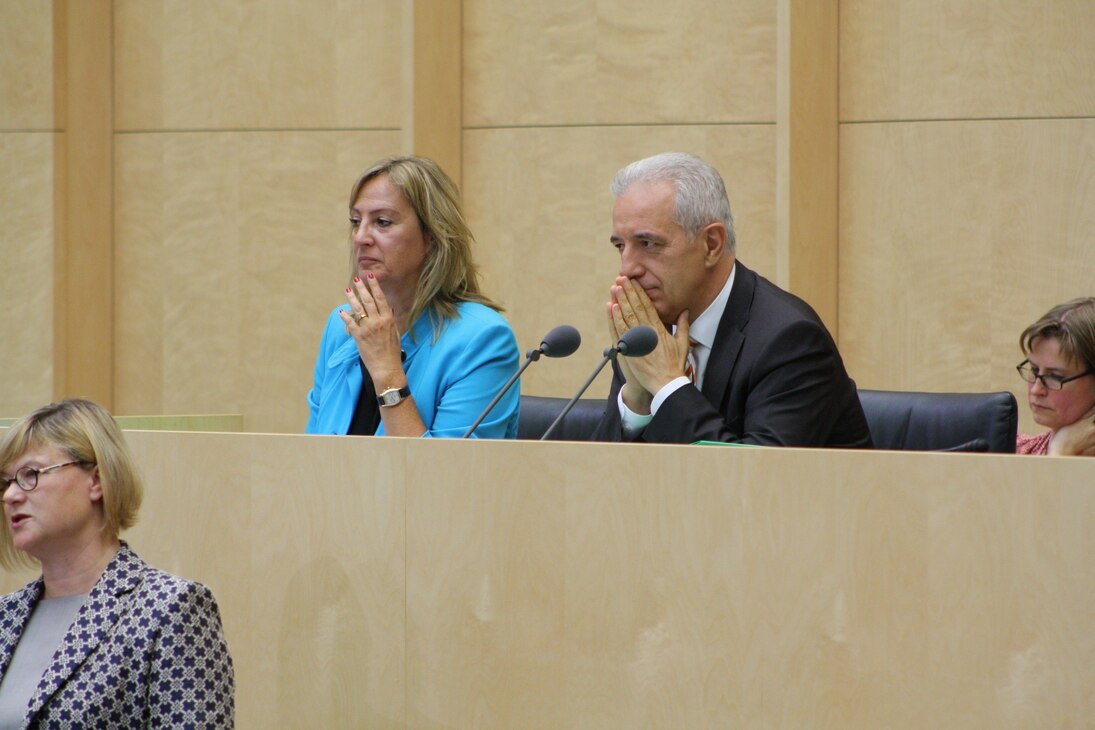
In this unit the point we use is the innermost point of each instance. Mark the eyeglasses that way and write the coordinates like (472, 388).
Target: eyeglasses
(27, 477)
(1030, 373)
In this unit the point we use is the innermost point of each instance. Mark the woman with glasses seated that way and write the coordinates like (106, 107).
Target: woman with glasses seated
(1060, 368)
(100, 639)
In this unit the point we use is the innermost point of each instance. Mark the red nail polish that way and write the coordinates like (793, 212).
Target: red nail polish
(357, 280)
(370, 276)
(347, 290)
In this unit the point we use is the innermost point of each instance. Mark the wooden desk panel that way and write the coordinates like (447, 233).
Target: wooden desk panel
(685, 587)
(427, 583)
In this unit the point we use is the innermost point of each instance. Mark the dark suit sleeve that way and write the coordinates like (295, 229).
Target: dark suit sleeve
(788, 397)
(609, 429)
(191, 679)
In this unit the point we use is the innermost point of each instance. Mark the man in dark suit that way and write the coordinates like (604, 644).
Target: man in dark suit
(738, 359)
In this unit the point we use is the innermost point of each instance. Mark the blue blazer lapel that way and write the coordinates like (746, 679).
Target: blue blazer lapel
(346, 353)
(16, 612)
(105, 604)
(730, 336)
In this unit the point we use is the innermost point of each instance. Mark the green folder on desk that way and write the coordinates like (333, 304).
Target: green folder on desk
(724, 443)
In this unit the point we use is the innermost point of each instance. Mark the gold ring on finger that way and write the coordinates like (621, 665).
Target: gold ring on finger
(359, 316)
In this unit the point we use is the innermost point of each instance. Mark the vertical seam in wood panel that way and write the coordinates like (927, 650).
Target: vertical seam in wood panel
(807, 201)
(836, 233)
(58, 352)
(83, 322)
(783, 142)
(459, 171)
(406, 594)
(460, 104)
(408, 76)
(437, 83)
(113, 222)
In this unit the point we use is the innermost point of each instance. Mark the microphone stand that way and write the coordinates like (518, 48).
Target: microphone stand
(561, 341)
(530, 357)
(610, 354)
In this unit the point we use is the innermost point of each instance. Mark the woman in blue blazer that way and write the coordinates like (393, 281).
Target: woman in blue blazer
(100, 639)
(417, 350)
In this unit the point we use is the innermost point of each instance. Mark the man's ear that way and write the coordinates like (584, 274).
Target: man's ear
(713, 237)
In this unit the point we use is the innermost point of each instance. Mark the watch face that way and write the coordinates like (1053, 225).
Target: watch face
(392, 396)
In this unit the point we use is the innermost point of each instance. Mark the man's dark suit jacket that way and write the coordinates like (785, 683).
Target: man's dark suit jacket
(774, 377)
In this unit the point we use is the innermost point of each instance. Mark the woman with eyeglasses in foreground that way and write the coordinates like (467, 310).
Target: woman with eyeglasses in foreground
(100, 639)
(1060, 370)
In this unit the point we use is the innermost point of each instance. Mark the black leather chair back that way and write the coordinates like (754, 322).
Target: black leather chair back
(899, 420)
(910, 421)
(539, 412)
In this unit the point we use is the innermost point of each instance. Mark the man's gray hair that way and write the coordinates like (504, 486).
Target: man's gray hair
(701, 194)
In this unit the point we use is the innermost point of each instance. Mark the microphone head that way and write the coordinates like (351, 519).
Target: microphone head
(638, 341)
(561, 341)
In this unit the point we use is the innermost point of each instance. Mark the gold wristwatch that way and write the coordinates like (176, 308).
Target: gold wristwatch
(393, 396)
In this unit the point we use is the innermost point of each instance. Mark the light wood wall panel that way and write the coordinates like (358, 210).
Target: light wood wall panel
(539, 204)
(254, 64)
(26, 65)
(954, 237)
(233, 249)
(615, 62)
(947, 59)
(27, 146)
(26, 264)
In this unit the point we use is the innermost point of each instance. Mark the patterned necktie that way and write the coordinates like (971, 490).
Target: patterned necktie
(691, 366)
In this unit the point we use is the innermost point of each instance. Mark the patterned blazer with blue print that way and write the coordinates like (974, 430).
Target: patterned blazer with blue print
(146, 650)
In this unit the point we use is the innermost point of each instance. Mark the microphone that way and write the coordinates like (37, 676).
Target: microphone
(636, 342)
(559, 342)
(562, 341)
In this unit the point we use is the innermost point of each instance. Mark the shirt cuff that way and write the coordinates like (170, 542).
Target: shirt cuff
(634, 424)
(630, 421)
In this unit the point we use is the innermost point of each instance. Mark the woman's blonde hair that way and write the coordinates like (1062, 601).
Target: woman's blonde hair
(86, 432)
(449, 275)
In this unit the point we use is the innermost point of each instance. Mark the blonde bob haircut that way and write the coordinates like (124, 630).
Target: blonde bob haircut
(449, 275)
(85, 432)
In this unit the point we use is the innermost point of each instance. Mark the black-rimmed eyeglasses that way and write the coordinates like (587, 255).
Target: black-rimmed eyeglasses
(1030, 373)
(27, 477)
